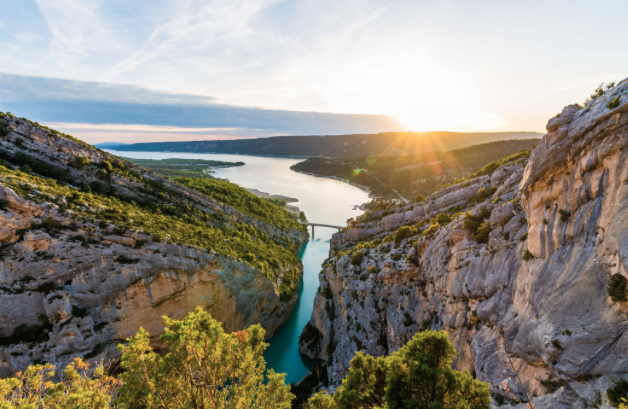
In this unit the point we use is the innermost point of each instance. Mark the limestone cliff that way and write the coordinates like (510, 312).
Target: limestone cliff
(520, 283)
(71, 285)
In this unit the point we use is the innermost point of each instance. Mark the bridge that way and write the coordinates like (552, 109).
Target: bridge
(331, 226)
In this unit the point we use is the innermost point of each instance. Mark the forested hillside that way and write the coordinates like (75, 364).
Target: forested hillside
(384, 144)
(410, 175)
(93, 247)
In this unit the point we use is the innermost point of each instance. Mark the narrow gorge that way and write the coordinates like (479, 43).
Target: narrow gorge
(524, 266)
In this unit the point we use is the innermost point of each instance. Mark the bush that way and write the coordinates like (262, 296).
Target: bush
(357, 258)
(122, 259)
(418, 198)
(564, 215)
(371, 270)
(30, 333)
(617, 392)
(81, 161)
(47, 287)
(614, 103)
(81, 387)
(442, 219)
(478, 225)
(310, 335)
(398, 381)
(402, 233)
(430, 231)
(617, 287)
(527, 255)
(79, 312)
(204, 367)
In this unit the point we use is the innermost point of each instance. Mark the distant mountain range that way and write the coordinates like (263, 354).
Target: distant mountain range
(389, 144)
(109, 145)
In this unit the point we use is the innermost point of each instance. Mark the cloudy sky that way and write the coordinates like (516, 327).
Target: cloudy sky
(119, 70)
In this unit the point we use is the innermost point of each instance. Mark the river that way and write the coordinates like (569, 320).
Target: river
(323, 200)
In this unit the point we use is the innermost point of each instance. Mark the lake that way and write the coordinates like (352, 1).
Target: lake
(323, 200)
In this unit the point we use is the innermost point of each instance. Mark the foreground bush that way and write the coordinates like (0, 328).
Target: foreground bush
(204, 368)
(418, 376)
(80, 387)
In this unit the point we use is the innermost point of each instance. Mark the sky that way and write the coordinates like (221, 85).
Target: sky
(155, 70)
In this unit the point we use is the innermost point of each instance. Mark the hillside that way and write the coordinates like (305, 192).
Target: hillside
(524, 267)
(188, 168)
(410, 175)
(93, 247)
(388, 144)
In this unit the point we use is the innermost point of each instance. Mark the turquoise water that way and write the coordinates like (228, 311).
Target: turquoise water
(323, 200)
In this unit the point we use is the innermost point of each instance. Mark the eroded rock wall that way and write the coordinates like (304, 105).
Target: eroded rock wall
(97, 288)
(528, 311)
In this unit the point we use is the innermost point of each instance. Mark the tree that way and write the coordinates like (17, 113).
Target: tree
(418, 376)
(79, 388)
(204, 368)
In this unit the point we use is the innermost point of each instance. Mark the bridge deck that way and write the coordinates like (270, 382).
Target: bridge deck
(323, 225)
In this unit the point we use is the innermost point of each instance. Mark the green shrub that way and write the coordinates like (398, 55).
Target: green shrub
(483, 232)
(47, 287)
(204, 367)
(79, 312)
(564, 215)
(122, 259)
(430, 231)
(357, 258)
(443, 219)
(617, 392)
(616, 287)
(418, 198)
(402, 233)
(556, 344)
(527, 255)
(30, 333)
(398, 381)
(371, 270)
(81, 161)
(614, 103)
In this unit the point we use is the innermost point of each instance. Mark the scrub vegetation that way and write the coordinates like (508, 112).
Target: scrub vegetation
(188, 168)
(416, 176)
(208, 368)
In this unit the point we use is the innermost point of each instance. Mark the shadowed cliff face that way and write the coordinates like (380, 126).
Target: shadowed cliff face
(528, 310)
(74, 287)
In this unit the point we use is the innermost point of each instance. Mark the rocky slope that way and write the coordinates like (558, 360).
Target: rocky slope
(82, 270)
(519, 283)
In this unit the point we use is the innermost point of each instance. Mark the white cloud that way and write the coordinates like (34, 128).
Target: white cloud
(80, 36)
(26, 36)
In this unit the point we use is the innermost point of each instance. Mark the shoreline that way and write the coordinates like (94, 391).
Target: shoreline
(366, 189)
(291, 208)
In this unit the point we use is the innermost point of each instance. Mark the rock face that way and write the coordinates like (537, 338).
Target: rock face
(79, 288)
(528, 311)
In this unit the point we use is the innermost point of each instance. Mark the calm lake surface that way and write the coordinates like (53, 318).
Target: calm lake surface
(323, 200)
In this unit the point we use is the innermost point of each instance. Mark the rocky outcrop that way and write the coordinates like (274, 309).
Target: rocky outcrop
(73, 287)
(528, 310)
